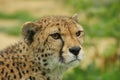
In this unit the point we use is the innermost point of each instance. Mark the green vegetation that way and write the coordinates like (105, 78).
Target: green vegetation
(101, 19)
(21, 16)
(93, 73)
(11, 30)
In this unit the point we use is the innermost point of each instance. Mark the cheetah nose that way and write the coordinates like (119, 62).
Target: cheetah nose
(75, 50)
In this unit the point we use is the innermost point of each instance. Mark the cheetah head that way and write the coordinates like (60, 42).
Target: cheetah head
(55, 41)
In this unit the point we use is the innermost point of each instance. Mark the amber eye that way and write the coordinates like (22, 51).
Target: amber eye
(55, 36)
(78, 33)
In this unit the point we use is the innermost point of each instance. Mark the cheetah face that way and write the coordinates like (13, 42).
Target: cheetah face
(67, 42)
(60, 38)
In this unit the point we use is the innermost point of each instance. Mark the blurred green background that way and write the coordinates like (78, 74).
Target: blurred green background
(100, 19)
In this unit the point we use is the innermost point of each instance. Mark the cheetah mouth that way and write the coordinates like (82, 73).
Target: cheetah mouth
(74, 60)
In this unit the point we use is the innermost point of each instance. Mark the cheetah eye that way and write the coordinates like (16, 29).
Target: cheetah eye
(78, 33)
(55, 36)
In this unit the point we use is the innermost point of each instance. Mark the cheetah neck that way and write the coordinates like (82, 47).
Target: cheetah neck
(21, 48)
(57, 74)
(53, 74)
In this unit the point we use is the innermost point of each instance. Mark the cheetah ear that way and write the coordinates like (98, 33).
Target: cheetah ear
(75, 17)
(28, 31)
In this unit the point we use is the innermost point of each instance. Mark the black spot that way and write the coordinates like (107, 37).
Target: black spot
(25, 59)
(2, 55)
(38, 58)
(2, 71)
(24, 65)
(6, 74)
(45, 55)
(17, 69)
(33, 69)
(14, 76)
(39, 68)
(24, 56)
(13, 64)
(20, 75)
(2, 78)
(44, 60)
(23, 47)
(42, 55)
(7, 65)
(38, 39)
(49, 54)
(36, 70)
(26, 49)
(18, 64)
(42, 50)
(31, 78)
(1, 63)
(57, 24)
(59, 28)
(43, 73)
(39, 63)
(39, 50)
(33, 62)
(45, 64)
(11, 71)
(23, 72)
(20, 51)
(46, 41)
(27, 71)
(45, 21)
(48, 78)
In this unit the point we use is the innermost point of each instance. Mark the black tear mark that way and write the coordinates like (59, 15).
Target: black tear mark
(61, 59)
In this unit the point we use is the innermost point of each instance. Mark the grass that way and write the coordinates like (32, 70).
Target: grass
(21, 16)
(93, 73)
(11, 30)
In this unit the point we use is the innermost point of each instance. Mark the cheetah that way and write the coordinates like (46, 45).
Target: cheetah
(49, 47)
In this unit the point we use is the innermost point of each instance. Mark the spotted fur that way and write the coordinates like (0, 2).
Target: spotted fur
(43, 54)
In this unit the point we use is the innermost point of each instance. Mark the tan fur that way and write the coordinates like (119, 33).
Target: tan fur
(39, 56)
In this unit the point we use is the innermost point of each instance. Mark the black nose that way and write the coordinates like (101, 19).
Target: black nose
(75, 50)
